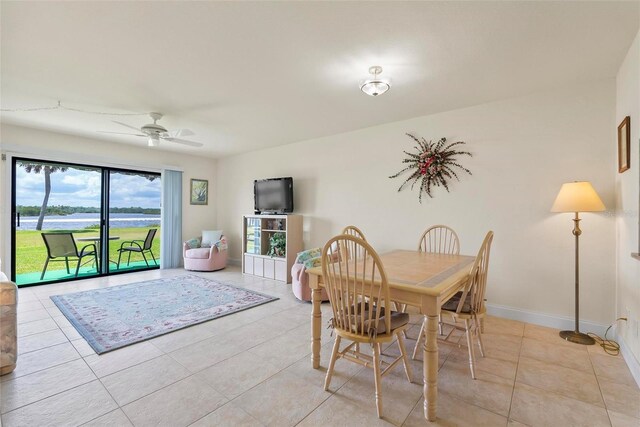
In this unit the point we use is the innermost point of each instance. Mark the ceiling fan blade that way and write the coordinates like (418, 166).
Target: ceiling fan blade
(126, 125)
(121, 133)
(183, 141)
(181, 133)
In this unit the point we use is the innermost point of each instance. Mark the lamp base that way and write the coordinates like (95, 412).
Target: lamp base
(577, 337)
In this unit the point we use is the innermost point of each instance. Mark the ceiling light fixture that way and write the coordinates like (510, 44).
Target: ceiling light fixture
(153, 141)
(375, 86)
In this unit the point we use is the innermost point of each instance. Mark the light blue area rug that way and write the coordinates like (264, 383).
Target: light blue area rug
(118, 316)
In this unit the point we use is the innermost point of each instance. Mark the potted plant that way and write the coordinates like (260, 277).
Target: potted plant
(278, 245)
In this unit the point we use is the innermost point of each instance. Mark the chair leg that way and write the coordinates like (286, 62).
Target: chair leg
(470, 344)
(145, 258)
(440, 324)
(377, 378)
(44, 270)
(66, 260)
(478, 331)
(129, 259)
(78, 266)
(119, 256)
(153, 257)
(405, 357)
(416, 349)
(332, 363)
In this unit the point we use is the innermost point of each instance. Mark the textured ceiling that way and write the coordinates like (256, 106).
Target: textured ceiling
(245, 76)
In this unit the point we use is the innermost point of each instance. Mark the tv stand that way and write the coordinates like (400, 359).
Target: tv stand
(257, 231)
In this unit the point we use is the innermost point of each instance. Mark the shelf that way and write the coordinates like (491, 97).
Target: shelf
(274, 231)
(281, 258)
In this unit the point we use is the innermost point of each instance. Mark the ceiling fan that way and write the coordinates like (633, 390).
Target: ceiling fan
(155, 132)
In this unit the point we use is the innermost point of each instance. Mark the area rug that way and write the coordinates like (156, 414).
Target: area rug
(118, 316)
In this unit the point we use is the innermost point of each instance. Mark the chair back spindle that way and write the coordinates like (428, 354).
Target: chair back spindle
(477, 284)
(439, 239)
(357, 286)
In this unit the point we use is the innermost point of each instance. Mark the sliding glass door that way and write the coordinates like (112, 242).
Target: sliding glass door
(73, 221)
(134, 220)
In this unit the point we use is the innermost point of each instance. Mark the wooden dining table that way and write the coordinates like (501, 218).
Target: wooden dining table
(419, 279)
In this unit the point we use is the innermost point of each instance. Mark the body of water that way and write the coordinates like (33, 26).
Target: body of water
(78, 221)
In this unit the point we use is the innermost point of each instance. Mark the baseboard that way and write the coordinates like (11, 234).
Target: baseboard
(544, 319)
(632, 362)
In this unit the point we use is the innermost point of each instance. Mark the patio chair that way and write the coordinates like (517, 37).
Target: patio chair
(62, 245)
(139, 246)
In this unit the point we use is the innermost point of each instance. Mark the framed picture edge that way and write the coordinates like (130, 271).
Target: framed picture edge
(624, 126)
(191, 199)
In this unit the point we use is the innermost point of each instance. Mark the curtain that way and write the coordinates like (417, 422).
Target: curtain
(171, 234)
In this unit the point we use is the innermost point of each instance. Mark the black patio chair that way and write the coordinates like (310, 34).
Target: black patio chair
(138, 246)
(62, 245)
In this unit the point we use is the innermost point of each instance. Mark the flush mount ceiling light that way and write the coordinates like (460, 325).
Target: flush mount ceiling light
(375, 86)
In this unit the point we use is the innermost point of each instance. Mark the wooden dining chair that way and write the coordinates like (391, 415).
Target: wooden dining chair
(352, 230)
(62, 247)
(438, 239)
(468, 305)
(359, 295)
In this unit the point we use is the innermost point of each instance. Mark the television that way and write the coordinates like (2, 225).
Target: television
(273, 195)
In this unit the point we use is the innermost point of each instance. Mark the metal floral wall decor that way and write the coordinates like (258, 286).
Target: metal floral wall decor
(432, 165)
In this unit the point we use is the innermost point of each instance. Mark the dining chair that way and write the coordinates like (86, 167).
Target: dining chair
(438, 239)
(359, 296)
(468, 306)
(352, 230)
(138, 246)
(62, 245)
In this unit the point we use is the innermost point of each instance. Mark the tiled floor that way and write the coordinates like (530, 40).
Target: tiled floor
(253, 368)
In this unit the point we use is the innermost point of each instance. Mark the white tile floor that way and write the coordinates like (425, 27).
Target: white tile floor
(253, 368)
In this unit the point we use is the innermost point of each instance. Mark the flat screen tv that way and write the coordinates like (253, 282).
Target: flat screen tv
(273, 195)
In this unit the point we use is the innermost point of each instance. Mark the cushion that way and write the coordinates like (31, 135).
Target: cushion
(198, 253)
(209, 237)
(452, 304)
(221, 244)
(398, 319)
(193, 243)
(308, 254)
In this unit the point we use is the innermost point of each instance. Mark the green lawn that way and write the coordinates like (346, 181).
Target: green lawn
(31, 253)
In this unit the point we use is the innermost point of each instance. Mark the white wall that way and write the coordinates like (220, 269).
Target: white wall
(524, 149)
(627, 191)
(40, 144)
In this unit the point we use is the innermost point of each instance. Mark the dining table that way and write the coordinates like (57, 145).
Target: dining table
(419, 279)
(96, 240)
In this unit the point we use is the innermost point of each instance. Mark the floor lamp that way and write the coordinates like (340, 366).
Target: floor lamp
(577, 197)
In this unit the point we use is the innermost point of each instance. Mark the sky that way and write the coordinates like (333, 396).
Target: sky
(82, 188)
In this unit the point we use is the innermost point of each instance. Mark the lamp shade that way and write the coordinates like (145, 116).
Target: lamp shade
(577, 196)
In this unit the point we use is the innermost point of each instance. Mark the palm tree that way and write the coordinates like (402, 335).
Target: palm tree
(48, 170)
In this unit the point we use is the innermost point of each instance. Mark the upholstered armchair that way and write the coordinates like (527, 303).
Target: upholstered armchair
(205, 255)
(300, 277)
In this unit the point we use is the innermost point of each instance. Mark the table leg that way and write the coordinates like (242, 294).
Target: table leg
(430, 368)
(316, 325)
